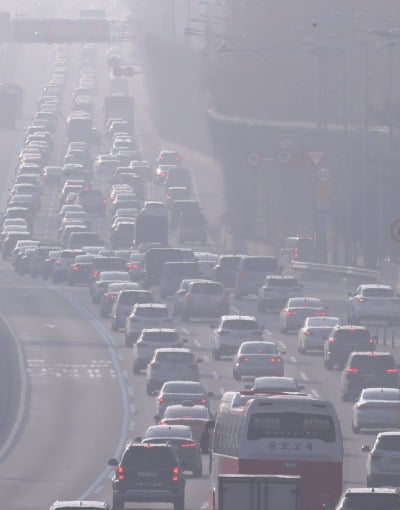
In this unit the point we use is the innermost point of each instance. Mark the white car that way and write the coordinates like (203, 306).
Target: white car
(383, 462)
(377, 408)
(276, 291)
(151, 339)
(206, 263)
(314, 333)
(373, 302)
(232, 331)
(149, 315)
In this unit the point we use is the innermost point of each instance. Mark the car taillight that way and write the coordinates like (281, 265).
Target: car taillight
(161, 399)
(275, 360)
(290, 312)
(58, 262)
(203, 401)
(308, 332)
(133, 265)
(391, 370)
(175, 473)
(362, 300)
(372, 341)
(352, 370)
(120, 473)
(189, 445)
(295, 253)
(332, 340)
(104, 201)
(75, 268)
(321, 313)
(245, 359)
(112, 296)
(95, 274)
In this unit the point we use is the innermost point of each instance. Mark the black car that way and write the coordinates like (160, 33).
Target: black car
(342, 341)
(38, 258)
(368, 370)
(92, 201)
(100, 264)
(148, 474)
(80, 272)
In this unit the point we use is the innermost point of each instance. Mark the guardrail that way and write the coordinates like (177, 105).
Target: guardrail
(344, 271)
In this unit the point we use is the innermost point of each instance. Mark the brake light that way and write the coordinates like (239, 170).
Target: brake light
(244, 359)
(112, 296)
(203, 401)
(120, 473)
(58, 262)
(372, 341)
(189, 445)
(362, 300)
(161, 399)
(290, 312)
(331, 340)
(75, 268)
(295, 253)
(95, 274)
(391, 370)
(308, 332)
(275, 360)
(321, 313)
(352, 370)
(133, 266)
(175, 473)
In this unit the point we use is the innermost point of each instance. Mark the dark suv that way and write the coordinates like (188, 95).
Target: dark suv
(362, 498)
(342, 341)
(368, 370)
(148, 474)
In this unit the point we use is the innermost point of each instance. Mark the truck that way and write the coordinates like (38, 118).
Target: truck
(258, 492)
(151, 229)
(119, 106)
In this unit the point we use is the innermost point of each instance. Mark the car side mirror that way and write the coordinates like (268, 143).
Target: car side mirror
(365, 448)
(247, 386)
(210, 393)
(199, 360)
(138, 439)
(185, 340)
(113, 462)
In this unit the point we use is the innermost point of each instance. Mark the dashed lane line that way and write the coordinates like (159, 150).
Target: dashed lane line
(214, 374)
(315, 393)
(293, 360)
(196, 343)
(304, 376)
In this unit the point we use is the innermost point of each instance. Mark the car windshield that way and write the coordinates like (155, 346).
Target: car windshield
(378, 292)
(148, 458)
(389, 443)
(114, 275)
(376, 501)
(207, 288)
(131, 297)
(151, 312)
(381, 394)
(372, 363)
(322, 322)
(240, 324)
(305, 302)
(160, 337)
(199, 412)
(163, 431)
(259, 348)
(175, 387)
(175, 357)
(282, 282)
(360, 336)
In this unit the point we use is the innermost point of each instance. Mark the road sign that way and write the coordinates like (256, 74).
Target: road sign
(324, 175)
(253, 158)
(395, 230)
(316, 157)
(284, 156)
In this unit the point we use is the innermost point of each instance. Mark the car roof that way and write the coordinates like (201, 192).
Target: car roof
(173, 349)
(151, 305)
(238, 317)
(375, 286)
(159, 330)
(388, 433)
(161, 428)
(78, 504)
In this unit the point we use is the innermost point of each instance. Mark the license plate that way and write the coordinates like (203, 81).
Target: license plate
(148, 474)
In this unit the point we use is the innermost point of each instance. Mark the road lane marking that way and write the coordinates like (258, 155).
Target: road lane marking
(185, 331)
(196, 343)
(130, 391)
(125, 373)
(269, 333)
(133, 408)
(214, 374)
(98, 489)
(206, 358)
(282, 346)
(315, 393)
(293, 360)
(304, 376)
(132, 426)
(235, 310)
(106, 337)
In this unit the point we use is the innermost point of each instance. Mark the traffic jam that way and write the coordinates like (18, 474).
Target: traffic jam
(213, 340)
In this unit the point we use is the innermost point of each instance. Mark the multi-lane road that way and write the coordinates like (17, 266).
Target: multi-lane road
(73, 401)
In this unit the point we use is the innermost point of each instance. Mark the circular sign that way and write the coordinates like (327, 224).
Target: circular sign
(324, 174)
(284, 157)
(395, 230)
(118, 71)
(253, 158)
(129, 71)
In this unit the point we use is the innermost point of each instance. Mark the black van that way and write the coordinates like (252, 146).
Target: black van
(342, 341)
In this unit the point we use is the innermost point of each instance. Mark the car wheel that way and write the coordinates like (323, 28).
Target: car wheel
(283, 330)
(355, 429)
(114, 326)
(300, 349)
(117, 504)
(128, 342)
(216, 355)
(236, 376)
(179, 503)
(328, 364)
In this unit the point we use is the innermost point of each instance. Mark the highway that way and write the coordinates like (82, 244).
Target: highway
(75, 401)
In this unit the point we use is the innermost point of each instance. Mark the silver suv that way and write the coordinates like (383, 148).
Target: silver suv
(202, 299)
(150, 315)
(383, 462)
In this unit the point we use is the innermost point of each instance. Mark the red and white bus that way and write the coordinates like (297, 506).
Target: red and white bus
(286, 434)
